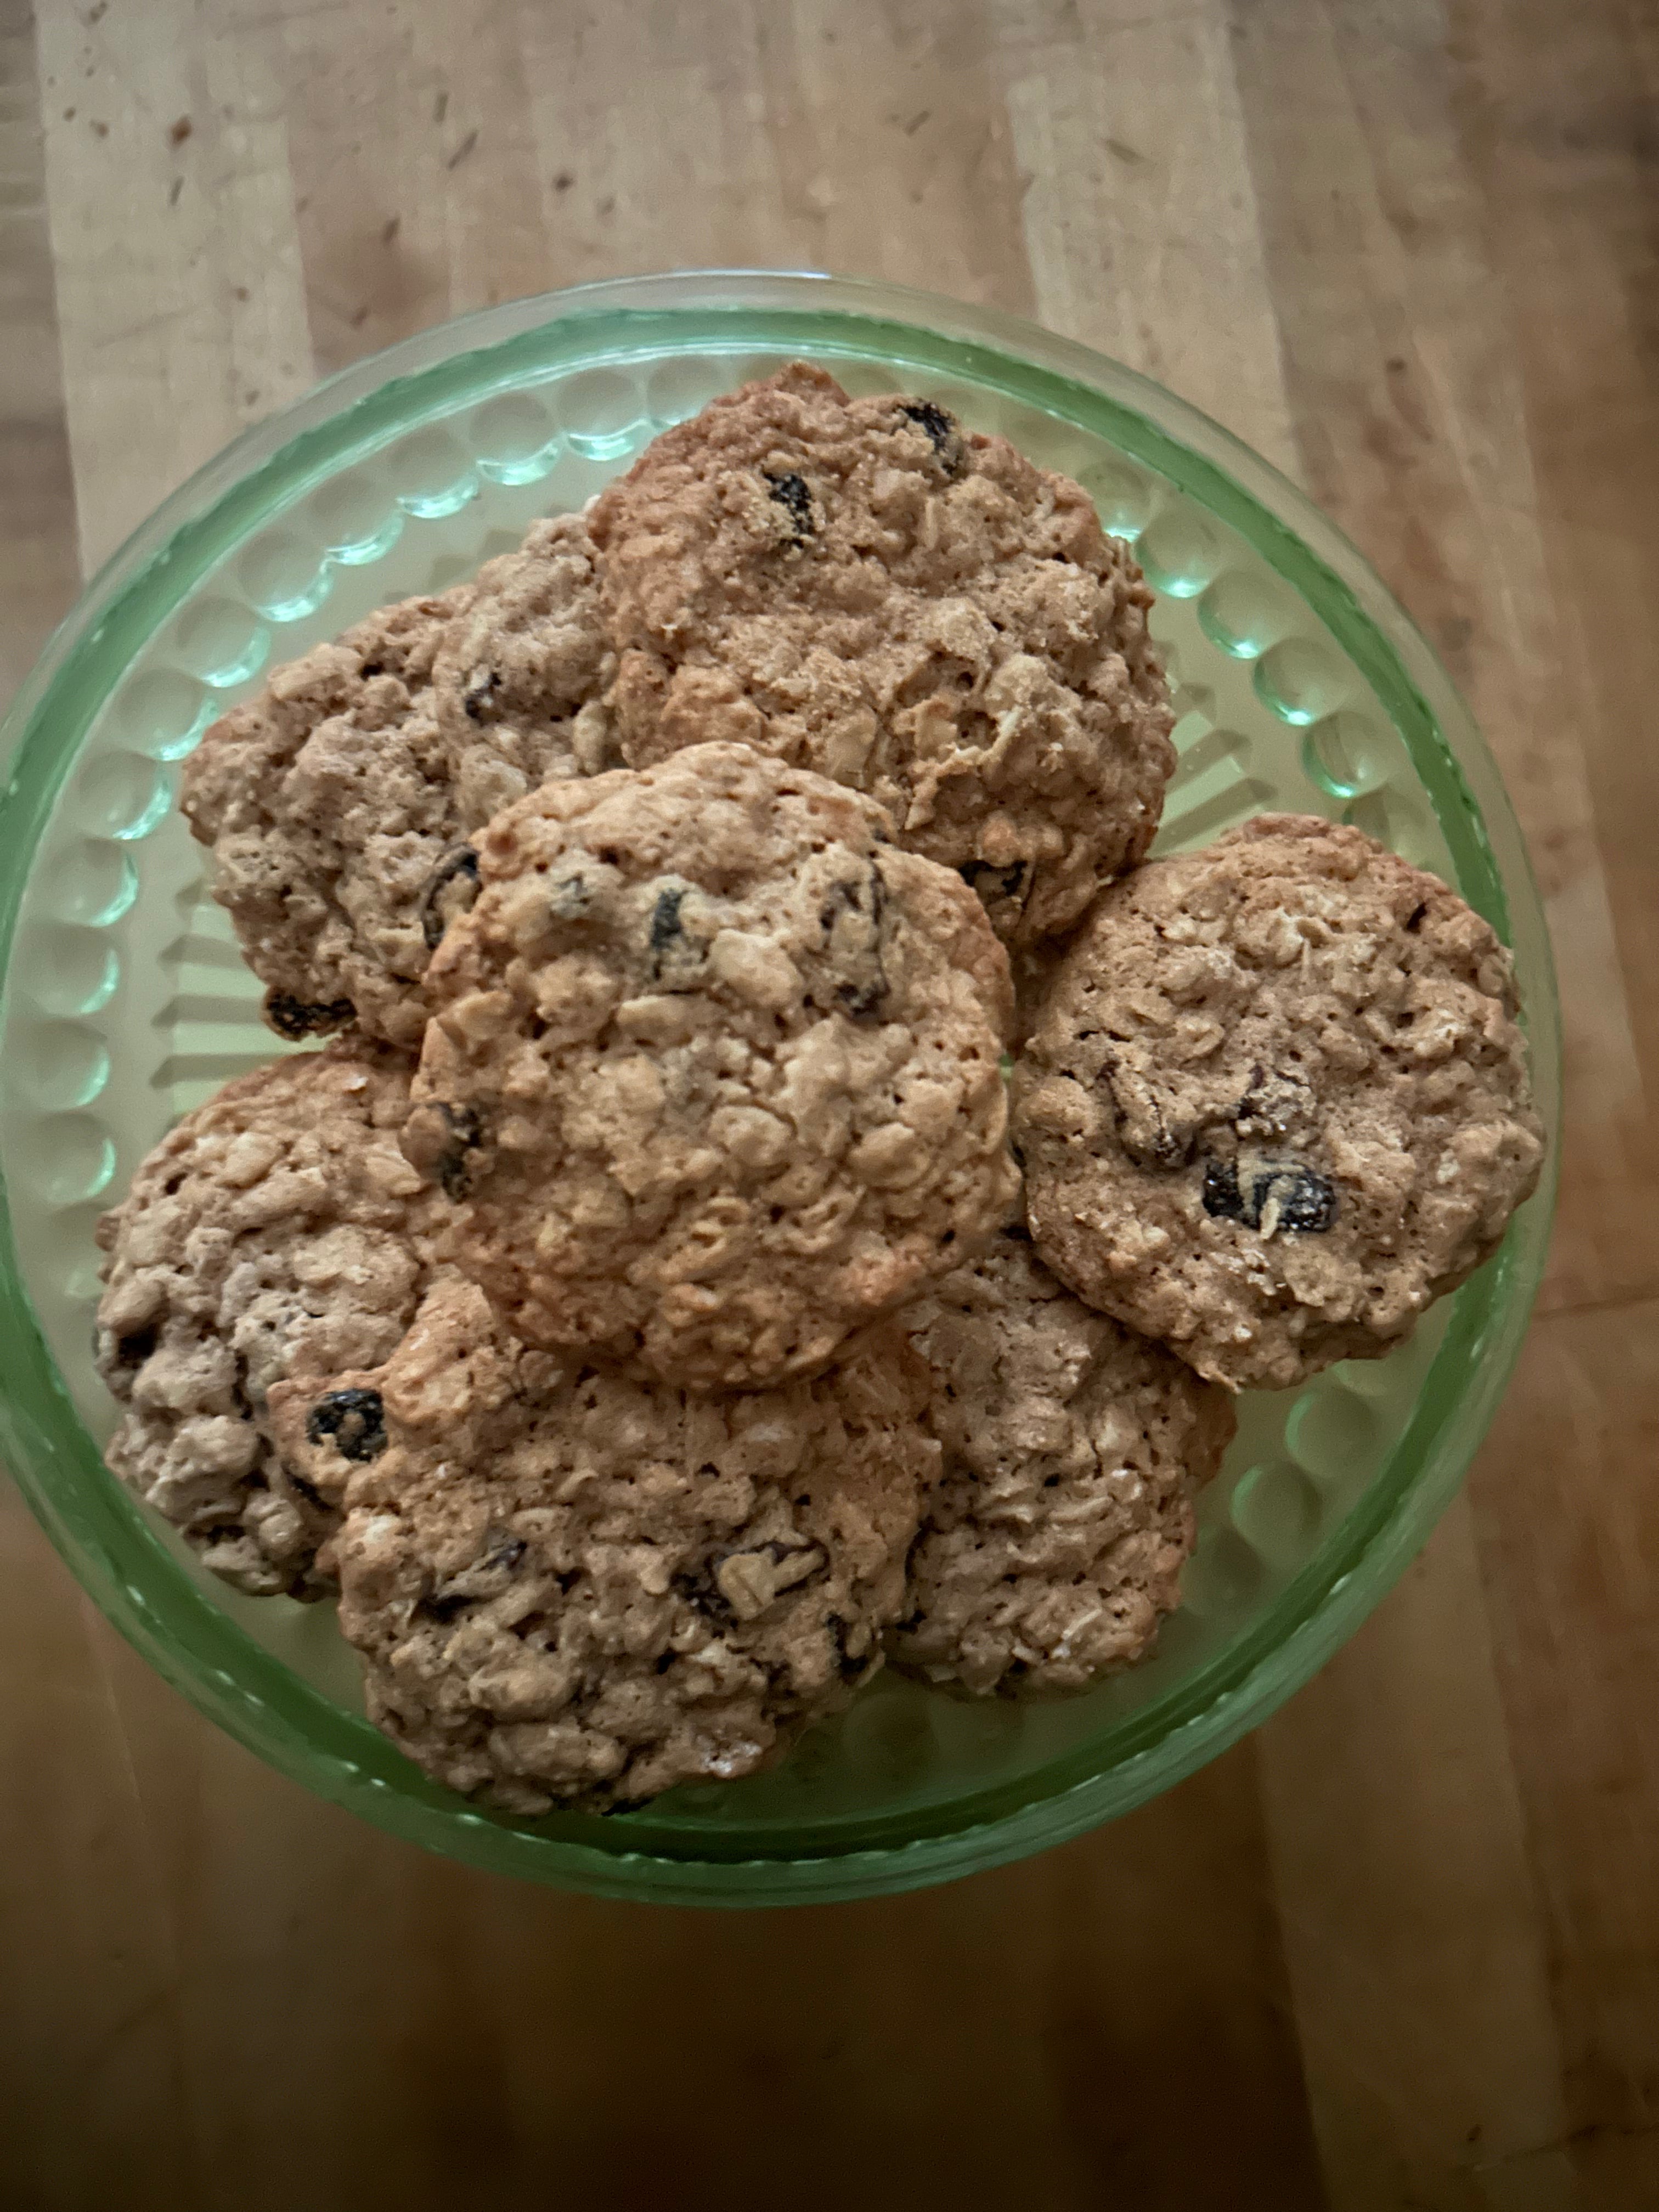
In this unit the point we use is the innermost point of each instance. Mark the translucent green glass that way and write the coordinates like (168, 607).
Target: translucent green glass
(1299, 684)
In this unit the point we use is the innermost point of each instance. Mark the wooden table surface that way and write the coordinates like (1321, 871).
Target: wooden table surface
(1399, 1949)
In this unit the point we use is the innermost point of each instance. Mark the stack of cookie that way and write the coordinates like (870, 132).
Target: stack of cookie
(636, 1319)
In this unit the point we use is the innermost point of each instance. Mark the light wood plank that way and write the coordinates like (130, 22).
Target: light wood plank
(1140, 210)
(90, 2057)
(1570, 1528)
(37, 575)
(173, 236)
(1410, 1916)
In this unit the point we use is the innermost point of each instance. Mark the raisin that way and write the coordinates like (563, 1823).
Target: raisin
(570, 898)
(943, 430)
(480, 687)
(1307, 1203)
(436, 1140)
(292, 1018)
(1274, 1103)
(702, 1594)
(851, 1668)
(853, 931)
(442, 1606)
(666, 917)
(1143, 1127)
(308, 1491)
(353, 1421)
(842, 898)
(1250, 1105)
(778, 1553)
(1302, 1200)
(676, 954)
(934, 421)
(477, 1585)
(792, 493)
(1414, 919)
(1005, 883)
(459, 865)
(1222, 1201)
(133, 1350)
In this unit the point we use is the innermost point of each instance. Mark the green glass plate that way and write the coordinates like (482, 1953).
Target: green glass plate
(1299, 684)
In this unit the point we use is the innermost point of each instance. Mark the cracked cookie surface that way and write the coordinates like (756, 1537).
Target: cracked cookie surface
(567, 1586)
(1275, 1101)
(713, 1076)
(341, 802)
(864, 587)
(275, 1230)
(1073, 1450)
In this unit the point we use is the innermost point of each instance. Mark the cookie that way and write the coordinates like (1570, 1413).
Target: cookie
(863, 589)
(340, 803)
(1275, 1101)
(518, 683)
(570, 1587)
(1072, 1453)
(713, 1078)
(275, 1230)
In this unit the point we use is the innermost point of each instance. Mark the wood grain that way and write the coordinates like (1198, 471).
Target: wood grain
(1402, 1949)
(36, 544)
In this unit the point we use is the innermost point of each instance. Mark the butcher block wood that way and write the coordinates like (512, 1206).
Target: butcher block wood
(1399, 1949)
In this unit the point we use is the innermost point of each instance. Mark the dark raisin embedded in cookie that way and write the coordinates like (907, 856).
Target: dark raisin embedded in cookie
(480, 688)
(666, 917)
(1275, 1101)
(793, 495)
(439, 1142)
(488, 1577)
(858, 1653)
(993, 883)
(295, 1021)
(851, 920)
(1269, 1195)
(676, 954)
(353, 1421)
(943, 432)
(1144, 1113)
(569, 899)
(451, 889)
(303, 1486)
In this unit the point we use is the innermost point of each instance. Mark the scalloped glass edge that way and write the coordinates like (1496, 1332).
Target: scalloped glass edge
(99, 1531)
